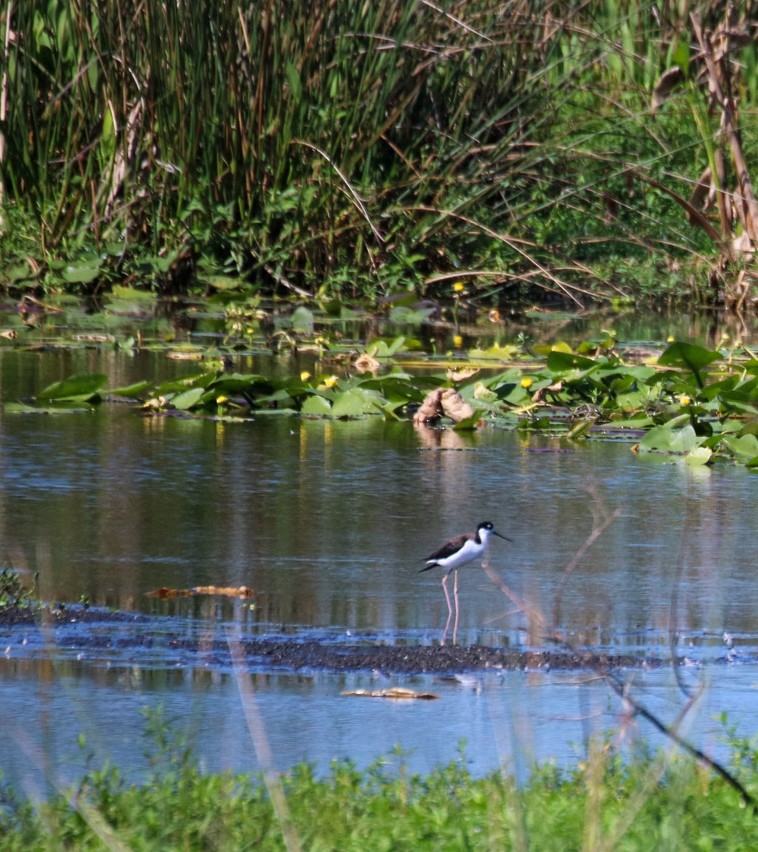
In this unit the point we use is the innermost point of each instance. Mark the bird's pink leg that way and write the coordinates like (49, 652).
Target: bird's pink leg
(449, 609)
(447, 594)
(455, 595)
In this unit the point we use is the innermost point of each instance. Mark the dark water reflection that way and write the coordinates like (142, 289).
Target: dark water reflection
(329, 524)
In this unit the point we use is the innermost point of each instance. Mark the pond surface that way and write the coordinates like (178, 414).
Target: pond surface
(329, 523)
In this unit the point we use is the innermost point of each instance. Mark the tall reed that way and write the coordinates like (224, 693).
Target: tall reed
(398, 139)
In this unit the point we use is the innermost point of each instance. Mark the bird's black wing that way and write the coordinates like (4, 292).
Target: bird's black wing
(449, 548)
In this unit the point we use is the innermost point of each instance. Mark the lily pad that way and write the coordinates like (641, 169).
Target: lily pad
(317, 406)
(187, 399)
(698, 456)
(744, 446)
(690, 357)
(356, 402)
(79, 388)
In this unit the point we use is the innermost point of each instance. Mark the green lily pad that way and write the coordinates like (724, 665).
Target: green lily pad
(690, 357)
(356, 402)
(560, 362)
(316, 406)
(662, 439)
(23, 408)
(187, 399)
(75, 388)
(698, 456)
(744, 446)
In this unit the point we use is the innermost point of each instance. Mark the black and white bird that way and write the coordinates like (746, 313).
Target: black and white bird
(456, 553)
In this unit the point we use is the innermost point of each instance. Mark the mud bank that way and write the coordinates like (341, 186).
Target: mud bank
(93, 633)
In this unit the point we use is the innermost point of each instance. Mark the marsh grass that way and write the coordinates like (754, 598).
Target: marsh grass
(341, 148)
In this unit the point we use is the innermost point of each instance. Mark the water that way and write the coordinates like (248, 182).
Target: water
(329, 524)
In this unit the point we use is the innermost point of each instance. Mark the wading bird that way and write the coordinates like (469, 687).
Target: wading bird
(456, 553)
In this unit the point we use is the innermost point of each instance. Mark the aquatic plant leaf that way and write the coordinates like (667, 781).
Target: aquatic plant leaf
(204, 380)
(743, 446)
(317, 406)
(80, 273)
(469, 424)
(282, 395)
(187, 399)
(688, 356)
(546, 348)
(561, 362)
(698, 456)
(82, 387)
(507, 352)
(636, 423)
(129, 390)
(235, 383)
(402, 315)
(383, 348)
(662, 439)
(356, 402)
(23, 408)
(395, 388)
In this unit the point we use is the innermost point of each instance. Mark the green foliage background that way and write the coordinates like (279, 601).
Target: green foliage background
(349, 149)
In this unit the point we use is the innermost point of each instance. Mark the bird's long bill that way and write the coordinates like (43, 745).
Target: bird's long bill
(504, 537)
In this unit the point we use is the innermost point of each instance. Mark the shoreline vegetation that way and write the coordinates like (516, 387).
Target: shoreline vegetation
(657, 801)
(574, 153)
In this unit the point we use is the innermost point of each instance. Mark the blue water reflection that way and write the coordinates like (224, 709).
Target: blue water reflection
(329, 523)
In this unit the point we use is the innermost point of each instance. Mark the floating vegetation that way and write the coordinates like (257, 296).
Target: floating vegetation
(395, 693)
(213, 591)
(687, 401)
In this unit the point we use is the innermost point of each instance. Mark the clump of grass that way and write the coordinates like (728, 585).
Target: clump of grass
(14, 594)
(649, 802)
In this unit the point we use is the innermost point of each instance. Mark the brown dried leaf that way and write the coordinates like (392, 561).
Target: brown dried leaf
(665, 86)
(704, 193)
(462, 374)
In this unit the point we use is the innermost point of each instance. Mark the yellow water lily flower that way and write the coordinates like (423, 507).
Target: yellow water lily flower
(459, 287)
(220, 400)
(684, 399)
(527, 382)
(330, 381)
(670, 338)
(457, 341)
(304, 376)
